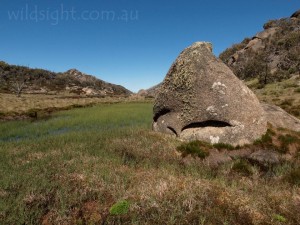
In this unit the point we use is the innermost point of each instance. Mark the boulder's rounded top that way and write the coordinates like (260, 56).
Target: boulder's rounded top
(201, 44)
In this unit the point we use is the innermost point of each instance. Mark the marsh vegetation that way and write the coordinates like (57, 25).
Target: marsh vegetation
(104, 165)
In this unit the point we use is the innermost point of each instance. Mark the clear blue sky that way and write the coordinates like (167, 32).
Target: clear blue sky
(127, 42)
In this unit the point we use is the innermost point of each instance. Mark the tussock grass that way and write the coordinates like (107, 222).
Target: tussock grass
(266, 139)
(242, 166)
(225, 146)
(79, 165)
(281, 140)
(194, 148)
(293, 177)
(284, 94)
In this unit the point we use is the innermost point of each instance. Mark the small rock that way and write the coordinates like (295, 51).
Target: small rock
(217, 158)
(241, 153)
(264, 158)
(280, 118)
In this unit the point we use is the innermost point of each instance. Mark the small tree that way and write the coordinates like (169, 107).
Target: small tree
(18, 80)
(3, 79)
(264, 75)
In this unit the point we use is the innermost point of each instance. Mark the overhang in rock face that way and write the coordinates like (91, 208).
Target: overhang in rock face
(201, 99)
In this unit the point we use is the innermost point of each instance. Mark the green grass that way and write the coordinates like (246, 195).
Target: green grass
(297, 90)
(224, 146)
(36, 154)
(266, 139)
(287, 102)
(288, 139)
(280, 218)
(80, 166)
(285, 94)
(243, 167)
(120, 208)
(293, 177)
(194, 148)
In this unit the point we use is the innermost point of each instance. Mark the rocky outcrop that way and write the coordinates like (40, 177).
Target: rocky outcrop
(296, 14)
(255, 44)
(264, 158)
(90, 85)
(280, 118)
(201, 98)
(257, 41)
(149, 93)
(273, 52)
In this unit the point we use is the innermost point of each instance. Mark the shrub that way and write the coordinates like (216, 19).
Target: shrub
(226, 55)
(266, 139)
(292, 70)
(2, 113)
(243, 167)
(223, 146)
(290, 85)
(297, 90)
(269, 24)
(288, 139)
(32, 113)
(293, 177)
(280, 74)
(287, 102)
(194, 148)
(285, 141)
(279, 218)
(254, 67)
(120, 208)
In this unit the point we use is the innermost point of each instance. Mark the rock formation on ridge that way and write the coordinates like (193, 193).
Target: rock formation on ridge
(270, 55)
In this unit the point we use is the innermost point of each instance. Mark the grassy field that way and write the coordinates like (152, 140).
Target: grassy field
(285, 94)
(104, 165)
(42, 105)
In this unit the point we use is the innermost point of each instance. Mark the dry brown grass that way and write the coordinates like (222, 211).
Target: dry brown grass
(11, 103)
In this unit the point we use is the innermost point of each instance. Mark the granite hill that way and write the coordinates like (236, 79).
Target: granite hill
(17, 79)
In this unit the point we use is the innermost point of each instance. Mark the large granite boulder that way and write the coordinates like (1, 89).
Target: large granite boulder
(201, 99)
